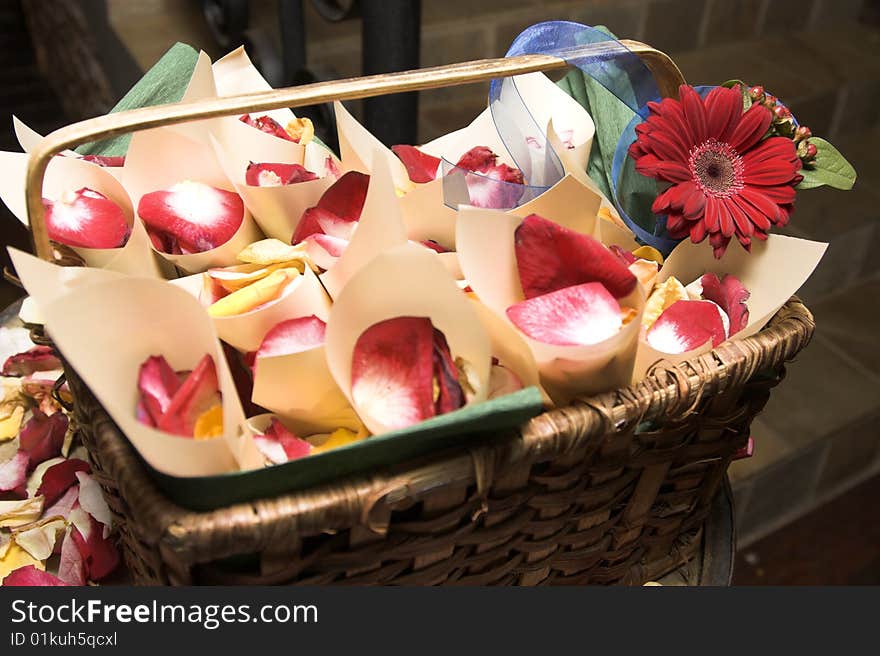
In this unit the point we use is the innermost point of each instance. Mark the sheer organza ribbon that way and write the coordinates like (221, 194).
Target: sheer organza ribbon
(613, 65)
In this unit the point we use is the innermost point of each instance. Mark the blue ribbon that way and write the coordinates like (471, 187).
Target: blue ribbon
(613, 66)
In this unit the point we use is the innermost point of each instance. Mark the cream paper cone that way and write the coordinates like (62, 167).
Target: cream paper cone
(488, 260)
(405, 281)
(107, 325)
(379, 229)
(302, 296)
(160, 158)
(772, 272)
(69, 174)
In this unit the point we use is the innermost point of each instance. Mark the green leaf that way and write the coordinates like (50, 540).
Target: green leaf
(164, 83)
(732, 83)
(830, 168)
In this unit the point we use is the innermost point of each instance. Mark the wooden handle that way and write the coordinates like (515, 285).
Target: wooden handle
(665, 72)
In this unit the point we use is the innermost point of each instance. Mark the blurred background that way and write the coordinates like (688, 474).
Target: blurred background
(806, 502)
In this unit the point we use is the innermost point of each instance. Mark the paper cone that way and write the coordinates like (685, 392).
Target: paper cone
(772, 272)
(160, 158)
(69, 174)
(303, 296)
(379, 229)
(488, 260)
(413, 282)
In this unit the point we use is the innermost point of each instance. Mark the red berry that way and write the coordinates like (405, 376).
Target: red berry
(756, 92)
(811, 151)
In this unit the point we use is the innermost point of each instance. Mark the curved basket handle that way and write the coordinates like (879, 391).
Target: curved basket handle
(665, 72)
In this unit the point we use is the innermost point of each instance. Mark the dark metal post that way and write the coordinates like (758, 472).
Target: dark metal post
(391, 36)
(293, 41)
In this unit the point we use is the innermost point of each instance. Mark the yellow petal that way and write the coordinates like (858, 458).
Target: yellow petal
(301, 130)
(649, 253)
(339, 437)
(234, 278)
(273, 251)
(39, 539)
(15, 558)
(646, 271)
(11, 424)
(254, 295)
(664, 295)
(209, 424)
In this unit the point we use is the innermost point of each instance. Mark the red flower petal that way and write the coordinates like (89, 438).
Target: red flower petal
(43, 436)
(99, 555)
(109, 161)
(694, 112)
(550, 257)
(87, 219)
(13, 472)
(651, 166)
(752, 126)
(434, 246)
(724, 107)
(198, 215)
(275, 174)
(324, 250)
(38, 358)
(479, 158)
(63, 506)
(686, 325)
(345, 197)
(624, 256)
(730, 295)
(421, 167)
(293, 336)
(198, 392)
(503, 381)
(71, 568)
(57, 479)
(575, 316)
(157, 384)
(500, 187)
(30, 576)
(450, 395)
(280, 445)
(266, 124)
(392, 371)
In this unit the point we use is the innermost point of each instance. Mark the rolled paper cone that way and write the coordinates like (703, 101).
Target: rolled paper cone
(235, 74)
(488, 260)
(450, 261)
(148, 317)
(201, 86)
(772, 273)
(303, 296)
(28, 138)
(413, 283)
(379, 229)
(277, 210)
(160, 158)
(70, 174)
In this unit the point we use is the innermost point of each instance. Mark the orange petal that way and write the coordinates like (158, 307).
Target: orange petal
(209, 424)
(254, 295)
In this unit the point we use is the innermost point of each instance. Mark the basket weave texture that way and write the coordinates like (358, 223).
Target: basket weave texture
(611, 489)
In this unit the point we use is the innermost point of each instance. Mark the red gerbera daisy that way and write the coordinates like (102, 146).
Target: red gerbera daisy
(727, 179)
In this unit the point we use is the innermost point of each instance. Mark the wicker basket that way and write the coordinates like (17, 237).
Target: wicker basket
(611, 489)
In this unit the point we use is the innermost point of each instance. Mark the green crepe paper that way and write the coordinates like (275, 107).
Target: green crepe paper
(611, 117)
(497, 418)
(164, 83)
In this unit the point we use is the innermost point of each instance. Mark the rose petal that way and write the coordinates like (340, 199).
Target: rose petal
(665, 294)
(731, 295)
(38, 358)
(686, 325)
(20, 513)
(30, 576)
(293, 336)
(266, 124)
(280, 445)
(39, 540)
(199, 392)
(574, 316)
(13, 472)
(15, 558)
(449, 395)
(157, 384)
(71, 567)
(91, 499)
(59, 478)
(550, 257)
(478, 158)
(67, 502)
(254, 295)
(233, 278)
(107, 161)
(271, 251)
(420, 166)
(209, 424)
(198, 215)
(87, 219)
(324, 250)
(339, 437)
(503, 381)
(270, 174)
(301, 130)
(345, 197)
(11, 424)
(99, 554)
(392, 371)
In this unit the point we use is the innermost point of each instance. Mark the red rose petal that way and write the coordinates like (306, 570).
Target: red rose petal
(276, 174)
(198, 215)
(434, 246)
(624, 256)
(62, 507)
(280, 445)
(420, 166)
(157, 384)
(198, 392)
(87, 219)
(293, 336)
(550, 257)
(57, 479)
(450, 395)
(109, 161)
(502, 381)
(38, 358)
(43, 436)
(392, 371)
(345, 197)
(731, 295)
(268, 125)
(324, 250)
(71, 567)
(479, 158)
(30, 576)
(574, 316)
(686, 325)
(13, 472)
(99, 555)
